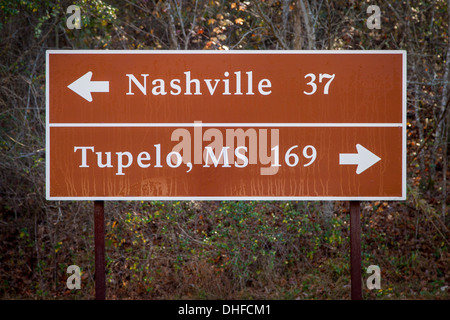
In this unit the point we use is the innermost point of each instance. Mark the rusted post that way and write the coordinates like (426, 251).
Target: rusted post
(99, 241)
(355, 250)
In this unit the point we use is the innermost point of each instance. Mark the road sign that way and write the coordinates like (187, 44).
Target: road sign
(266, 125)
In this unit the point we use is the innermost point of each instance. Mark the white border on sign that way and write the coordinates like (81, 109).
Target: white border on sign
(220, 124)
(47, 125)
(405, 110)
(235, 198)
(89, 51)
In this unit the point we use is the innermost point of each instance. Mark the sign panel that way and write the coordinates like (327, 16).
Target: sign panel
(267, 125)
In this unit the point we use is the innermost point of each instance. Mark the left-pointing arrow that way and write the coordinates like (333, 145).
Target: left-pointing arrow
(83, 86)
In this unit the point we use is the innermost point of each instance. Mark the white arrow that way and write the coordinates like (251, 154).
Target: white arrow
(364, 159)
(84, 86)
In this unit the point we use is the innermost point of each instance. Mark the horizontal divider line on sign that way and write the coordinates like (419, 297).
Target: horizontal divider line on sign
(201, 124)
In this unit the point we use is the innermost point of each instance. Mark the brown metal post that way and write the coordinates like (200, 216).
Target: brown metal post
(99, 239)
(355, 250)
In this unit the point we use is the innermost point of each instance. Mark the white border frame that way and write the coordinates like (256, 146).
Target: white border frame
(219, 52)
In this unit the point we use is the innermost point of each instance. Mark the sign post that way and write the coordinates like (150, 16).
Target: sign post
(355, 250)
(227, 125)
(99, 245)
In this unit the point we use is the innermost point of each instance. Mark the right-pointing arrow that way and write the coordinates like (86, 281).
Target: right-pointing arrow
(364, 159)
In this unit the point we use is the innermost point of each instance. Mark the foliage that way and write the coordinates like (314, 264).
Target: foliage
(205, 250)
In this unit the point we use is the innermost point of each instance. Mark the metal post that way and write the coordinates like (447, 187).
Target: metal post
(99, 238)
(355, 250)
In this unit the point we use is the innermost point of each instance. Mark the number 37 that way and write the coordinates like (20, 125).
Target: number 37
(321, 77)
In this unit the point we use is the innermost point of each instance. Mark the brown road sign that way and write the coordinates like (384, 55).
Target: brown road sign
(292, 125)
